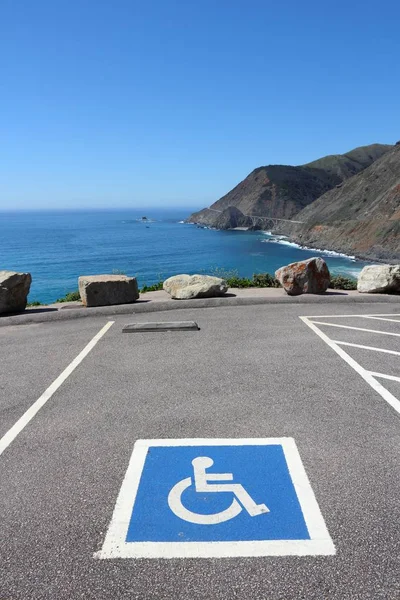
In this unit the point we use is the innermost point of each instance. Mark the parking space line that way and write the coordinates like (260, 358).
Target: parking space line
(366, 375)
(355, 328)
(391, 377)
(381, 318)
(366, 347)
(12, 433)
(349, 316)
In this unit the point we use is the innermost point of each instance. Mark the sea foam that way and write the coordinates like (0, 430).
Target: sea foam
(279, 240)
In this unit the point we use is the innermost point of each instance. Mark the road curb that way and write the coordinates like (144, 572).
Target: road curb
(44, 315)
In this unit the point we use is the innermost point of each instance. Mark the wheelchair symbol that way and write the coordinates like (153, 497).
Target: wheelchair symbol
(201, 482)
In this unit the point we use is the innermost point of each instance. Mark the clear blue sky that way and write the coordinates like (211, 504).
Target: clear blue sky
(173, 102)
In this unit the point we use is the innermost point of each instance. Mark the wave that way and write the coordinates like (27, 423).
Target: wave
(275, 240)
(274, 236)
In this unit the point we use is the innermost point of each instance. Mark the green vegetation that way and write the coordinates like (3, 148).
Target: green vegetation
(71, 297)
(340, 282)
(152, 288)
(34, 303)
(259, 280)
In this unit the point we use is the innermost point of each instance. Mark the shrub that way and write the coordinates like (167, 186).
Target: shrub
(34, 303)
(70, 297)
(239, 282)
(265, 280)
(152, 288)
(260, 280)
(340, 282)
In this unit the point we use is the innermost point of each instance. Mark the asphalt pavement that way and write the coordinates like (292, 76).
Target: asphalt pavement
(248, 372)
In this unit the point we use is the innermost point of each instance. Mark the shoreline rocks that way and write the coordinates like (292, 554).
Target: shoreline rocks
(106, 290)
(14, 290)
(304, 277)
(185, 287)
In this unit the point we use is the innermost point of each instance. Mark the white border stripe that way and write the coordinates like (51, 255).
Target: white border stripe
(366, 375)
(383, 376)
(355, 328)
(381, 318)
(115, 546)
(12, 433)
(367, 347)
(350, 316)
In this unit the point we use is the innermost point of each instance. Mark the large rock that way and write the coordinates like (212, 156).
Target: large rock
(185, 287)
(14, 290)
(305, 277)
(376, 279)
(232, 217)
(105, 290)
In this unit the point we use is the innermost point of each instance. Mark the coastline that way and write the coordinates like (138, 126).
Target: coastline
(294, 242)
(356, 256)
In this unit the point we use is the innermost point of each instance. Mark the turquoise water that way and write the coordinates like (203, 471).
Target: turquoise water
(57, 247)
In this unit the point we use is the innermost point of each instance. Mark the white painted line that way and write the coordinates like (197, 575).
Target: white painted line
(381, 318)
(115, 546)
(12, 433)
(355, 328)
(367, 347)
(350, 316)
(383, 376)
(366, 375)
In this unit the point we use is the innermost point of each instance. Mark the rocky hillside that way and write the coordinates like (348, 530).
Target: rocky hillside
(280, 191)
(361, 216)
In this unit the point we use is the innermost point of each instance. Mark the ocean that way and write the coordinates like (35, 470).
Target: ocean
(58, 246)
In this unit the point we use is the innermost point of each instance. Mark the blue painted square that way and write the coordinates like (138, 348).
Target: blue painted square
(262, 471)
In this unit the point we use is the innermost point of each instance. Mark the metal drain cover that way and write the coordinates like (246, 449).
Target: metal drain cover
(161, 326)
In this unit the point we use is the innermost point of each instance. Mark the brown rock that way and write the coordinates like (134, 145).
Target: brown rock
(14, 290)
(305, 277)
(105, 290)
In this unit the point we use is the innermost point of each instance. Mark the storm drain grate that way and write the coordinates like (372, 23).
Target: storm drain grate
(161, 326)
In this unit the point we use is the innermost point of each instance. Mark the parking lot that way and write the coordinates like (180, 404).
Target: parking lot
(299, 403)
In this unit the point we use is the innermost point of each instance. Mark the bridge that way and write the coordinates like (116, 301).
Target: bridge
(273, 220)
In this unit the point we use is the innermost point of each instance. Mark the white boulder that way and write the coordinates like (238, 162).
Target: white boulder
(186, 287)
(375, 279)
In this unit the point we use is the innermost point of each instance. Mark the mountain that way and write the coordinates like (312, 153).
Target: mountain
(351, 163)
(281, 191)
(361, 216)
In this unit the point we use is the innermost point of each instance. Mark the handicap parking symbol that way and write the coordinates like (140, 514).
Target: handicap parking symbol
(216, 498)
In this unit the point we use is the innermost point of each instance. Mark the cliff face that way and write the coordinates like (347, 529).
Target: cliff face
(361, 216)
(281, 191)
